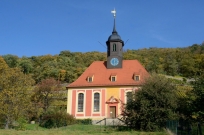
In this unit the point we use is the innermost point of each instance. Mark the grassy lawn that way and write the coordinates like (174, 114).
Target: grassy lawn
(75, 130)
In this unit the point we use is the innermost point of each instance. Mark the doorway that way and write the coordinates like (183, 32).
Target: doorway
(112, 111)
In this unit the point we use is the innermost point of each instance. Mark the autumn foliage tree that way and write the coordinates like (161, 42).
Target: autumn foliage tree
(15, 90)
(45, 93)
(68, 66)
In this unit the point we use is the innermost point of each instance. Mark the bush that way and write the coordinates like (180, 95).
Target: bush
(2, 121)
(20, 124)
(84, 121)
(56, 119)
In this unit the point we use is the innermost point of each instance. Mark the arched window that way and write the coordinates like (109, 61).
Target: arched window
(96, 102)
(114, 47)
(80, 102)
(128, 97)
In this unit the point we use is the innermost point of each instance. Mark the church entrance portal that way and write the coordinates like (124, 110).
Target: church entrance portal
(112, 111)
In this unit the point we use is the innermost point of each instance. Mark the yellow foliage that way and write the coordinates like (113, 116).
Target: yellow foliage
(62, 75)
(14, 93)
(182, 90)
(3, 64)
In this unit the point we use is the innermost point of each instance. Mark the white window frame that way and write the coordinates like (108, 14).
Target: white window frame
(130, 90)
(77, 105)
(90, 79)
(135, 77)
(112, 78)
(99, 106)
(100, 101)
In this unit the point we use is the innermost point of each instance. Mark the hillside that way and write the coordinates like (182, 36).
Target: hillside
(68, 66)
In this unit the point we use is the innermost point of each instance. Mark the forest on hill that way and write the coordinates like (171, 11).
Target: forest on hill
(68, 66)
(47, 101)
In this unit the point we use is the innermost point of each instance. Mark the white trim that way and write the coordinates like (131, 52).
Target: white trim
(136, 76)
(90, 77)
(113, 76)
(69, 101)
(92, 108)
(126, 91)
(84, 102)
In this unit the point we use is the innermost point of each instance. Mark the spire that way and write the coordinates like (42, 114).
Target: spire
(114, 26)
(114, 36)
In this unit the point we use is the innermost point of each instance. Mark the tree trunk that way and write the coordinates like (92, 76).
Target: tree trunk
(7, 123)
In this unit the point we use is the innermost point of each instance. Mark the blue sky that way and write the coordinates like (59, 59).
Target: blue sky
(40, 27)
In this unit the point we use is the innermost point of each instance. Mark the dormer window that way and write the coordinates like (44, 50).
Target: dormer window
(136, 76)
(90, 78)
(113, 77)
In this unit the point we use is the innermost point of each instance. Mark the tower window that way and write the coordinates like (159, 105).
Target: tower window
(114, 47)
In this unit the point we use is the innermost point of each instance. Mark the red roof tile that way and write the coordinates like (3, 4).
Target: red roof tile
(102, 75)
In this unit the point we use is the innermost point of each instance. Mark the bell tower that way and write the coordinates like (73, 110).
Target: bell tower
(114, 48)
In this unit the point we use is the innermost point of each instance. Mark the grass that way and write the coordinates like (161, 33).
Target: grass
(76, 130)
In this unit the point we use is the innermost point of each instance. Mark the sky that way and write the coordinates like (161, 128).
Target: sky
(40, 27)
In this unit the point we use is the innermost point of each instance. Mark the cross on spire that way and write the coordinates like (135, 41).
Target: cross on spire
(114, 13)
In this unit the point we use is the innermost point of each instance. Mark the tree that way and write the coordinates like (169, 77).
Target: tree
(14, 94)
(187, 66)
(11, 60)
(184, 109)
(26, 65)
(171, 65)
(150, 107)
(3, 64)
(46, 92)
(198, 99)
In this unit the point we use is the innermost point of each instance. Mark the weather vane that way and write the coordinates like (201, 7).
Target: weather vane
(114, 12)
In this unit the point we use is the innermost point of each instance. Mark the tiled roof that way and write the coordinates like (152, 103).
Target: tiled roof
(102, 75)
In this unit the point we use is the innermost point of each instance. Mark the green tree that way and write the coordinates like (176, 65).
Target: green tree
(198, 99)
(170, 64)
(11, 60)
(187, 67)
(184, 109)
(151, 106)
(26, 65)
(66, 53)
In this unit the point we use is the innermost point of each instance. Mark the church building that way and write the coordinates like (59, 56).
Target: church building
(102, 89)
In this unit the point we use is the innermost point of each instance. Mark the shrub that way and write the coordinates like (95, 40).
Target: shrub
(2, 121)
(56, 119)
(20, 124)
(84, 121)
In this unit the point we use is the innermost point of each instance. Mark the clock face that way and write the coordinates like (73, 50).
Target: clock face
(114, 61)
